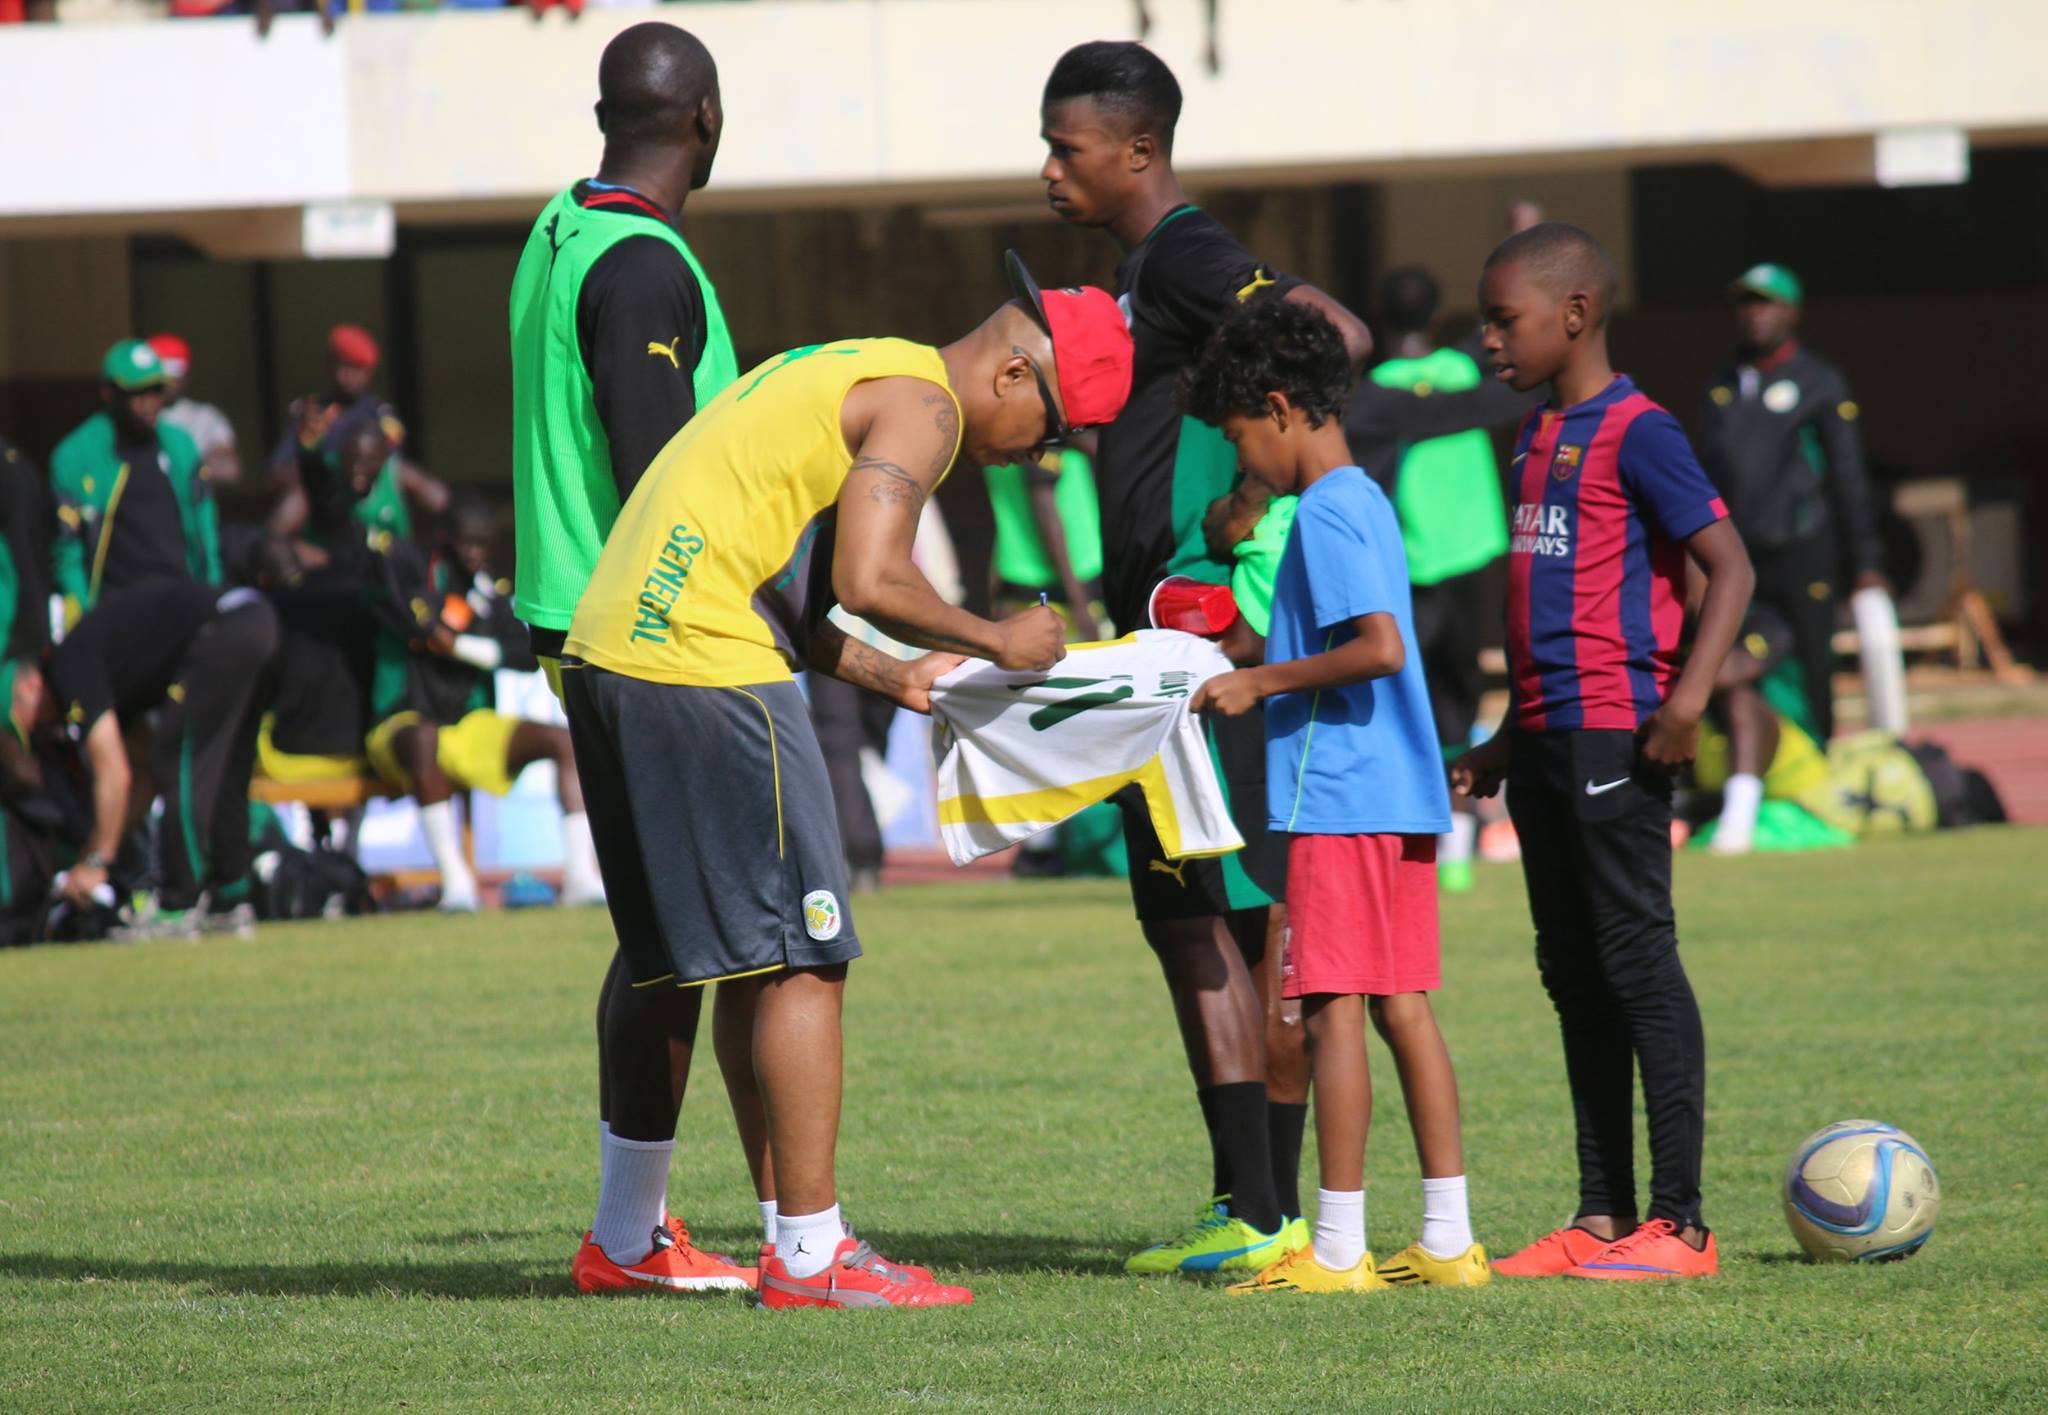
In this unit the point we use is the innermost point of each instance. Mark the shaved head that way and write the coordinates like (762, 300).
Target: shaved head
(1562, 260)
(653, 82)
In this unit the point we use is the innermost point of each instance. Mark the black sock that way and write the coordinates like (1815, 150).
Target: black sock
(1285, 1121)
(1219, 1179)
(1242, 1144)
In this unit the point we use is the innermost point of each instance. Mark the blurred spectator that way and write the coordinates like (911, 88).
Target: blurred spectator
(205, 424)
(132, 502)
(1048, 540)
(347, 494)
(439, 730)
(25, 516)
(348, 409)
(189, 658)
(1446, 493)
(1779, 437)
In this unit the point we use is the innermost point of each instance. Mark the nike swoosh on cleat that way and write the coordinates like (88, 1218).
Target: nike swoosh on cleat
(1633, 1268)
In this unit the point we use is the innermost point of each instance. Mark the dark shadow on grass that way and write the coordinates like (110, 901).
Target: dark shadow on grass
(481, 1279)
(1002, 1252)
(497, 1280)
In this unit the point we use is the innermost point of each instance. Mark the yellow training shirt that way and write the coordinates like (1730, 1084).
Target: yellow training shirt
(719, 514)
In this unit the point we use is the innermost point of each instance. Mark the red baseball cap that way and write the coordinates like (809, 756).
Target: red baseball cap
(352, 344)
(174, 353)
(1091, 345)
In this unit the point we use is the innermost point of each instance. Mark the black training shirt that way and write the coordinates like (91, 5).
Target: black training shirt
(125, 653)
(638, 298)
(1781, 441)
(146, 535)
(1176, 287)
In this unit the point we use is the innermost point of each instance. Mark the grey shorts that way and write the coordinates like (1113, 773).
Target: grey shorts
(714, 827)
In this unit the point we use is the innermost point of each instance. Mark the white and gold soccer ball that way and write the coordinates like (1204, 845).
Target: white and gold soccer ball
(1861, 1191)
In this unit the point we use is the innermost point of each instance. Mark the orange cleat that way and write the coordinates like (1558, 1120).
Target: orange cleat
(1553, 1253)
(916, 1271)
(676, 1265)
(857, 1277)
(1653, 1251)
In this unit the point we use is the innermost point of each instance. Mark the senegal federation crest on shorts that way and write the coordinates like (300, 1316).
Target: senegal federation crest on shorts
(822, 918)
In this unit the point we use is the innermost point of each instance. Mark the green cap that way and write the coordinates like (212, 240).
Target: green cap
(1773, 282)
(132, 364)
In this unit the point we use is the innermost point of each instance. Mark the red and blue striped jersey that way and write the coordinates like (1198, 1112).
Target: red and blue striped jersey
(1605, 492)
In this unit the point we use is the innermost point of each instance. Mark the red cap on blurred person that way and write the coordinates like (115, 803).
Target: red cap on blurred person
(174, 353)
(1091, 345)
(352, 344)
(1192, 607)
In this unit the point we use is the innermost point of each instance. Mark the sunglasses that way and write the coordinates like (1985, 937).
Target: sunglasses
(1056, 432)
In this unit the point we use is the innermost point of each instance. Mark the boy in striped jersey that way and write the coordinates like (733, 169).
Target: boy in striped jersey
(1610, 503)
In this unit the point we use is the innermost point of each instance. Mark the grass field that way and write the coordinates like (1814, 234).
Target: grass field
(346, 1165)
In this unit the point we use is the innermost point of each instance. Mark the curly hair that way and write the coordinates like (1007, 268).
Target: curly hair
(1272, 345)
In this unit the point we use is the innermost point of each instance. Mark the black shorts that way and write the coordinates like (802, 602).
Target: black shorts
(1447, 616)
(713, 821)
(1251, 878)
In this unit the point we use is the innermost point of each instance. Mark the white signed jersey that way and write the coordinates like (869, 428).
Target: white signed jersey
(1018, 753)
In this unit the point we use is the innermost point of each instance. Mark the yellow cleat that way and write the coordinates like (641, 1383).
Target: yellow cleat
(1300, 1272)
(1416, 1266)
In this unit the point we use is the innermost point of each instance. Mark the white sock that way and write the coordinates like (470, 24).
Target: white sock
(1340, 1228)
(604, 1163)
(767, 1221)
(1446, 1223)
(437, 823)
(1455, 844)
(806, 1242)
(1740, 799)
(632, 1197)
(581, 879)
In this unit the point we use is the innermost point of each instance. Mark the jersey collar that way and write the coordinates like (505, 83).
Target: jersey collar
(1172, 216)
(594, 195)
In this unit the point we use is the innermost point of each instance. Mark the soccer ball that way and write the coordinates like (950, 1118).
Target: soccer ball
(1860, 1191)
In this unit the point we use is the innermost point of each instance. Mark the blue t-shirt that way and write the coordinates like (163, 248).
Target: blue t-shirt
(1363, 759)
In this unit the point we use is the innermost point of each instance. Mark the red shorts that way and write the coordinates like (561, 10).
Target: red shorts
(1361, 915)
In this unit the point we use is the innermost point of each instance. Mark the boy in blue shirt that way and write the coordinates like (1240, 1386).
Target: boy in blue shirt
(1354, 776)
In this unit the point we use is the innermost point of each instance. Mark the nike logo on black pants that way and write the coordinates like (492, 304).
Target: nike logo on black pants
(1595, 832)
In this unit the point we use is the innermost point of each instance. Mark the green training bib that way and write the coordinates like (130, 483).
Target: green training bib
(565, 496)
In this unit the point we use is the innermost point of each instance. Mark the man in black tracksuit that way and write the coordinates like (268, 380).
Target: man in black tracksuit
(1779, 438)
(191, 655)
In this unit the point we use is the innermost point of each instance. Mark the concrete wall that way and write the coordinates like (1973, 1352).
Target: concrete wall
(886, 100)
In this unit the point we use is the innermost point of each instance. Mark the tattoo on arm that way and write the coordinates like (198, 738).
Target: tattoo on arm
(865, 667)
(894, 487)
(946, 416)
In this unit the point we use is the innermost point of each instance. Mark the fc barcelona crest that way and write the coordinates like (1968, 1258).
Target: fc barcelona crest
(1566, 461)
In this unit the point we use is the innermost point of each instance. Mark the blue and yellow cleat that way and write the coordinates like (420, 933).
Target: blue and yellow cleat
(1216, 1242)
